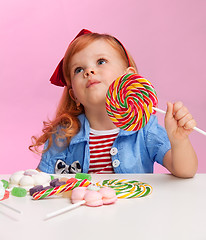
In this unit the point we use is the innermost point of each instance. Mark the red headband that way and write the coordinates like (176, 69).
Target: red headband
(58, 78)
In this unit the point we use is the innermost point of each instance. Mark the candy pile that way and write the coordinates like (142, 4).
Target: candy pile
(127, 188)
(82, 191)
(129, 102)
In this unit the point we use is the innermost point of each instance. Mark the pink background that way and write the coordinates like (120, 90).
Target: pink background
(166, 38)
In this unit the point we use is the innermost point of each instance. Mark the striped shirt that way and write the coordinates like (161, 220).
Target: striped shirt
(100, 143)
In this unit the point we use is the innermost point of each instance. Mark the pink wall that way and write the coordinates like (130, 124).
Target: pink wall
(166, 38)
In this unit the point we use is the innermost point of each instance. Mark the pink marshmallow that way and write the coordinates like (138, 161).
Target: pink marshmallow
(108, 195)
(93, 198)
(78, 194)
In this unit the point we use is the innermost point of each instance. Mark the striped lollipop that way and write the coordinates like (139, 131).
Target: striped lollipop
(125, 188)
(129, 102)
(60, 189)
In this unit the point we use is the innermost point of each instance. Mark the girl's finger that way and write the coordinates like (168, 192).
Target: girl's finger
(190, 124)
(181, 113)
(184, 120)
(177, 106)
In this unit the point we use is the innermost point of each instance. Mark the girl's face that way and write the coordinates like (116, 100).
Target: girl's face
(92, 71)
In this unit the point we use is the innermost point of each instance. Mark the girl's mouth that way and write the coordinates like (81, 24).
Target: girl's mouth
(91, 83)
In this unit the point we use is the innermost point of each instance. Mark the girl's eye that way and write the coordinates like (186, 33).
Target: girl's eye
(101, 61)
(78, 70)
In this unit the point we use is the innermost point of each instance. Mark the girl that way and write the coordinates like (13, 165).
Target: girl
(82, 138)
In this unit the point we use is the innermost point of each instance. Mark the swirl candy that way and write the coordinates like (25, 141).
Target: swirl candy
(60, 189)
(129, 102)
(127, 188)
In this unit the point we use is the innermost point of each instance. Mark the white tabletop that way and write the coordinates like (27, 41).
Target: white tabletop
(176, 209)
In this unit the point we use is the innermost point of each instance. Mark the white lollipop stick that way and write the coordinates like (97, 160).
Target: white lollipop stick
(63, 210)
(195, 128)
(158, 110)
(14, 209)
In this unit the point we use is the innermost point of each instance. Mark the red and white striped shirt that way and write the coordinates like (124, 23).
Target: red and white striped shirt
(100, 143)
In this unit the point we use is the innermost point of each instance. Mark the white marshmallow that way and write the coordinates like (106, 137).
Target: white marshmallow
(26, 181)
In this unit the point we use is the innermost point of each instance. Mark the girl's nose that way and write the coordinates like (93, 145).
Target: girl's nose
(88, 72)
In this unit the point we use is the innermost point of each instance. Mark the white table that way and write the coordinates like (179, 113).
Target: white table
(176, 209)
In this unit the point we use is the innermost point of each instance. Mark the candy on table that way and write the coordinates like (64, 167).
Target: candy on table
(83, 176)
(5, 196)
(129, 102)
(78, 194)
(5, 183)
(28, 179)
(93, 187)
(68, 193)
(37, 188)
(108, 195)
(103, 196)
(18, 192)
(91, 198)
(127, 188)
(94, 198)
(52, 177)
(63, 179)
(60, 189)
(53, 182)
(70, 180)
(56, 182)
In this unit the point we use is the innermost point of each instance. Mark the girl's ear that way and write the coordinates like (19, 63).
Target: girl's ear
(130, 70)
(71, 94)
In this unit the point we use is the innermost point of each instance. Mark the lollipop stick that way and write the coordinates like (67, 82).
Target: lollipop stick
(200, 131)
(159, 110)
(14, 209)
(195, 128)
(63, 210)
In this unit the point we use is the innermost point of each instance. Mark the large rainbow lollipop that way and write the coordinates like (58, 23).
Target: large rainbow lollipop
(130, 101)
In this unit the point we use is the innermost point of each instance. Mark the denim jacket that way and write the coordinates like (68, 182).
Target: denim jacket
(132, 152)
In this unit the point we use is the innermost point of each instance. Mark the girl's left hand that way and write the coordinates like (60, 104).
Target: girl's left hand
(179, 123)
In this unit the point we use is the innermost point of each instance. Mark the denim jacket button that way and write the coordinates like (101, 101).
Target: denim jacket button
(113, 151)
(116, 163)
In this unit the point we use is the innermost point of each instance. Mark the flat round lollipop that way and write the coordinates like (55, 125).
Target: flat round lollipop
(129, 102)
(125, 188)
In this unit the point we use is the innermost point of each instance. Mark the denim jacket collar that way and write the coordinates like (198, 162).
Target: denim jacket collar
(83, 134)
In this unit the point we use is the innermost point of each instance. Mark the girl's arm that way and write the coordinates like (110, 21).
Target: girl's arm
(181, 160)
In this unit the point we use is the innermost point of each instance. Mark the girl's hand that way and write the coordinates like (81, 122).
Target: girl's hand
(179, 123)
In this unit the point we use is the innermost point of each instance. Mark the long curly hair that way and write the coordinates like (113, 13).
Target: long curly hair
(67, 111)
